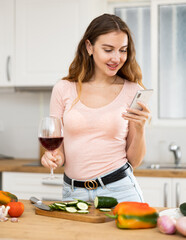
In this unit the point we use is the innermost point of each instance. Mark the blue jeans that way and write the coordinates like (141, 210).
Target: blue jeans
(126, 189)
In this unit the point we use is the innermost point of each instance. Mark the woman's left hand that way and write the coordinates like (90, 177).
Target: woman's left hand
(138, 117)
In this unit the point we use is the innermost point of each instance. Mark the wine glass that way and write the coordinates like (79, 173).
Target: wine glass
(50, 135)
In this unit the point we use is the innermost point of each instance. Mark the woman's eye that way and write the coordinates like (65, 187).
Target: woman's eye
(124, 50)
(107, 50)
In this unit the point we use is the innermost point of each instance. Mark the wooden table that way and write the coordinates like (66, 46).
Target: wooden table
(32, 226)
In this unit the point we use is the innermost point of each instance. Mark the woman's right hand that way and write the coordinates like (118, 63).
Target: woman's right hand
(52, 159)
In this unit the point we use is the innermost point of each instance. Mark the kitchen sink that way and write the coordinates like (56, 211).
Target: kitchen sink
(165, 166)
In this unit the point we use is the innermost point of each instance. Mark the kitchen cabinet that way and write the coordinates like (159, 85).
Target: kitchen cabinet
(179, 191)
(42, 37)
(156, 191)
(6, 43)
(47, 32)
(164, 192)
(25, 185)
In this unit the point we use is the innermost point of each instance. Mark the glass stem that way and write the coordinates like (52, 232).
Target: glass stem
(52, 172)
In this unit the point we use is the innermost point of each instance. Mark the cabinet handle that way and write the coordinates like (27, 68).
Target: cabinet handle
(177, 194)
(8, 68)
(165, 194)
(52, 184)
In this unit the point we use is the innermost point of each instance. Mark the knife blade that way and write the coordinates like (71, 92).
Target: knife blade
(39, 204)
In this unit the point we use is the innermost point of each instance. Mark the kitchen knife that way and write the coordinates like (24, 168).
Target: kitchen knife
(39, 204)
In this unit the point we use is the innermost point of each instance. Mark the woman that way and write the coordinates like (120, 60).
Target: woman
(103, 138)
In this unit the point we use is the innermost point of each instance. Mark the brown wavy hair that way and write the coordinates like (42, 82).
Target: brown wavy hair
(82, 67)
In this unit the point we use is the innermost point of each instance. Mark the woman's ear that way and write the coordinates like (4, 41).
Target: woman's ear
(89, 47)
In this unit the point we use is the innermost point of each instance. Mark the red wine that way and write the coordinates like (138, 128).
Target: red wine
(51, 143)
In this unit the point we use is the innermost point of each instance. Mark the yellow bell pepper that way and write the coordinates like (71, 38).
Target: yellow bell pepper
(135, 215)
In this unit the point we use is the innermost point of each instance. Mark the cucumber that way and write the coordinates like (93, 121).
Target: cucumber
(62, 208)
(72, 204)
(82, 206)
(105, 209)
(79, 200)
(79, 206)
(105, 202)
(183, 208)
(83, 211)
(53, 207)
(60, 204)
(71, 209)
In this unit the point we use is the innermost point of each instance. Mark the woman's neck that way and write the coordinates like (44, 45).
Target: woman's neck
(102, 81)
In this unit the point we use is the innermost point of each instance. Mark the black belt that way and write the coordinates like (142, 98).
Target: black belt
(93, 184)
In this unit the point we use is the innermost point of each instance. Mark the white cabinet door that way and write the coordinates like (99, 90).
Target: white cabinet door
(178, 191)
(156, 191)
(25, 185)
(163, 192)
(47, 33)
(6, 42)
(38, 38)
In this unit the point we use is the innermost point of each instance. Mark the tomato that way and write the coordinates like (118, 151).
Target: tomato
(16, 209)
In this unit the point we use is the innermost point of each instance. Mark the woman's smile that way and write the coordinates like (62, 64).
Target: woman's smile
(113, 67)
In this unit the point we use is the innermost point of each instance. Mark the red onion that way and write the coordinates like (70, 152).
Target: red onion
(181, 225)
(166, 224)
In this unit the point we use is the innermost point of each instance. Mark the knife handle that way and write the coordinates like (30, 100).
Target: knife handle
(34, 200)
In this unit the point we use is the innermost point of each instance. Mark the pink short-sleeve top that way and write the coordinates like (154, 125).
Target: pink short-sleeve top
(94, 138)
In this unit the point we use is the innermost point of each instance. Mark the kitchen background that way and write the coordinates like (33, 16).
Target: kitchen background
(30, 33)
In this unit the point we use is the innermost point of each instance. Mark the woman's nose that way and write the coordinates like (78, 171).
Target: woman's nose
(116, 56)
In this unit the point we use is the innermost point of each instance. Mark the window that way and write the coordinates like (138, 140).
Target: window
(172, 61)
(159, 33)
(138, 20)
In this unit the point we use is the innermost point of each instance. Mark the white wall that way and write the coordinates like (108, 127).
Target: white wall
(20, 113)
(158, 140)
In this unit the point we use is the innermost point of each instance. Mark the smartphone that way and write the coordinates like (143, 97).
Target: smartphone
(142, 96)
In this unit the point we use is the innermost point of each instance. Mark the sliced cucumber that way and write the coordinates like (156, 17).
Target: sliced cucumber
(62, 208)
(69, 204)
(105, 202)
(71, 209)
(78, 205)
(53, 207)
(79, 200)
(82, 206)
(105, 209)
(83, 211)
(60, 204)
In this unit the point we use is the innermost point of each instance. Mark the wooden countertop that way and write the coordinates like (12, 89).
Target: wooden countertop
(19, 165)
(32, 226)
(173, 173)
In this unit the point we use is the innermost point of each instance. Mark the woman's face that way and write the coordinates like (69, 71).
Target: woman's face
(109, 52)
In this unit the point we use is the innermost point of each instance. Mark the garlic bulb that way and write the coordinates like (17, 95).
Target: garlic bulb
(3, 213)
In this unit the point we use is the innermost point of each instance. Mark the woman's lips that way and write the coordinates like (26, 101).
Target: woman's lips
(112, 66)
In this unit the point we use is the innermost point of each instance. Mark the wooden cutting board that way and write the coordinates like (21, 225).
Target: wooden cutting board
(94, 216)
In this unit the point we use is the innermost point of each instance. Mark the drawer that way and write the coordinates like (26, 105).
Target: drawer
(31, 183)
